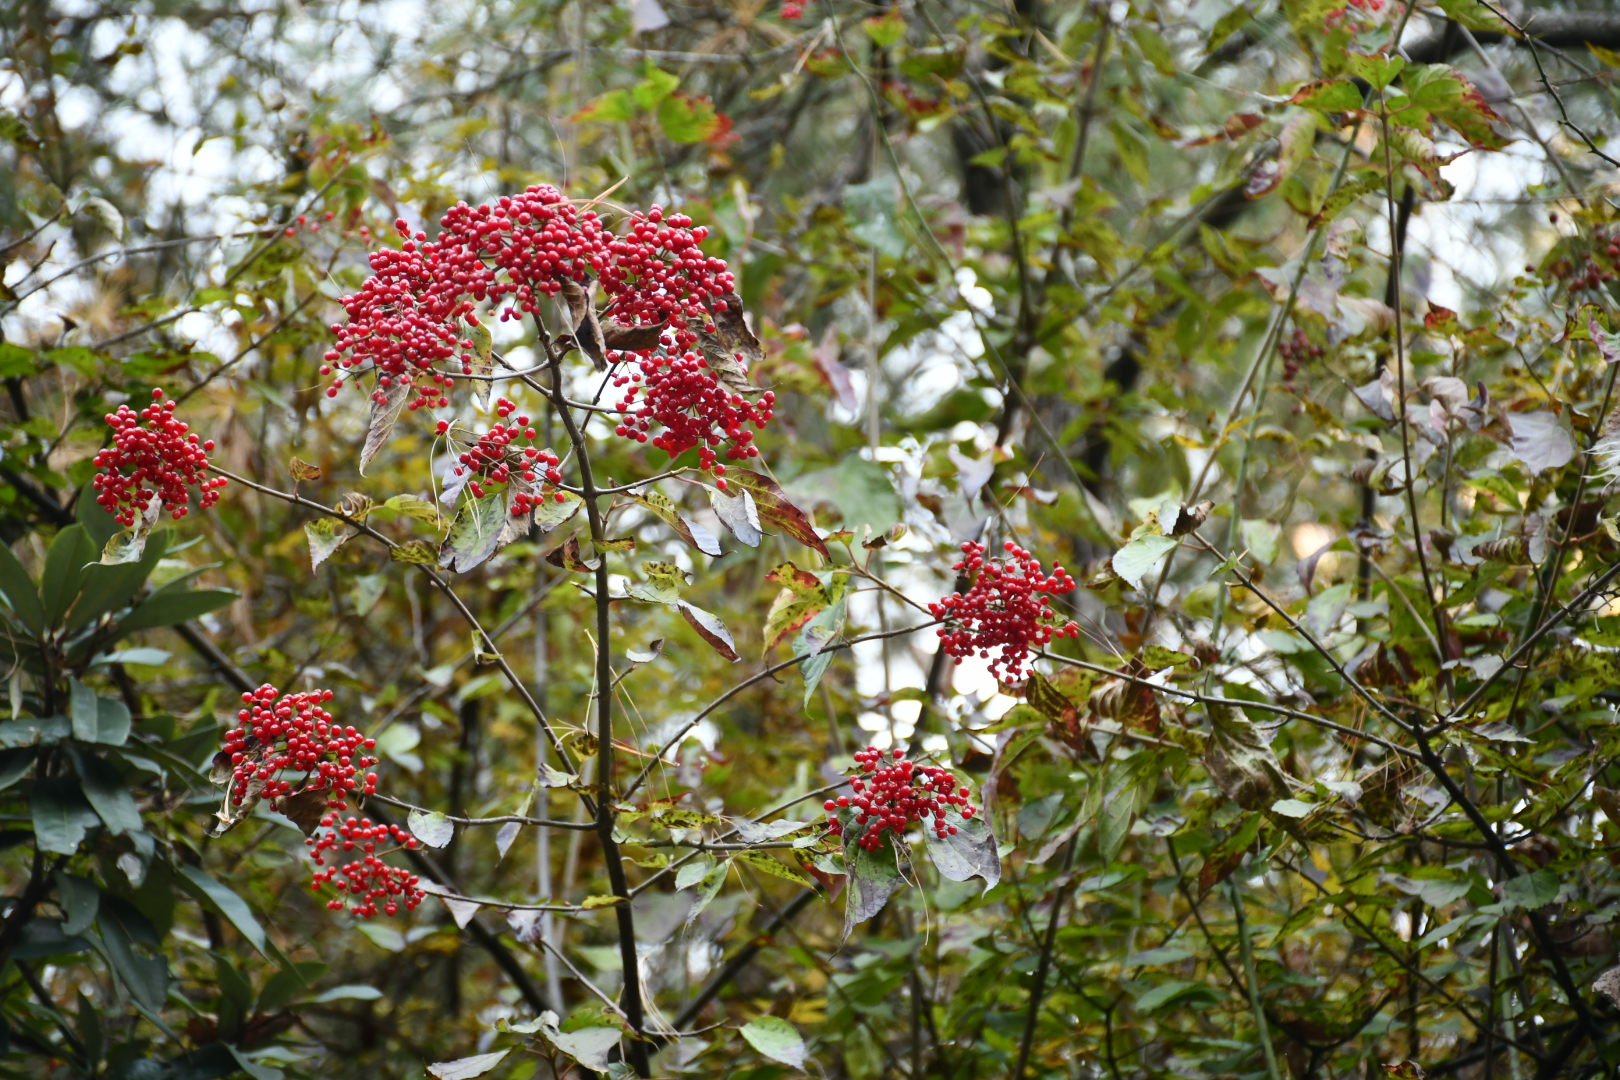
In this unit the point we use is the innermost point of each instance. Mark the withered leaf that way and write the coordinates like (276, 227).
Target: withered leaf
(582, 320)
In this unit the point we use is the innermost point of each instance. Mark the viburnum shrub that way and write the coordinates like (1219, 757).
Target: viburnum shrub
(891, 792)
(153, 454)
(494, 458)
(368, 881)
(278, 735)
(411, 319)
(1008, 607)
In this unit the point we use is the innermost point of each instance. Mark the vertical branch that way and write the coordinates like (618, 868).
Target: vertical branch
(636, 1050)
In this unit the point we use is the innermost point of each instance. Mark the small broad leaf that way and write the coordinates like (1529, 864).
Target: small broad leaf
(431, 827)
(384, 415)
(1134, 561)
(738, 513)
(710, 629)
(220, 898)
(169, 606)
(691, 532)
(325, 536)
(776, 512)
(1532, 891)
(299, 469)
(108, 793)
(582, 321)
(468, 1067)
(967, 853)
(776, 1039)
(874, 876)
(1540, 441)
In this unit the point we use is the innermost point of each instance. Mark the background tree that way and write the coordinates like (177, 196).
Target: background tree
(1286, 328)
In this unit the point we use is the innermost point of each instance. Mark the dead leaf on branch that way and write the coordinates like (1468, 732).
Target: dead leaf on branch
(583, 324)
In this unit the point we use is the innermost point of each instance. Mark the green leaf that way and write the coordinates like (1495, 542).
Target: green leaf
(1133, 561)
(61, 815)
(412, 506)
(687, 119)
(468, 1067)
(776, 1039)
(19, 592)
(690, 531)
(482, 526)
(169, 606)
(887, 29)
(108, 793)
(1293, 808)
(325, 536)
(1335, 95)
(967, 853)
(222, 899)
(145, 977)
(65, 564)
(81, 900)
(1532, 891)
(874, 876)
(766, 863)
(432, 828)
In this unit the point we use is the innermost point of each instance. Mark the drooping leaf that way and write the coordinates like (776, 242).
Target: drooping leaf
(776, 512)
(219, 897)
(1137, 558)
(738, 513)
(431, 827)
(1540, 441)
(967, 853)
(384, 416)
(467, 1067)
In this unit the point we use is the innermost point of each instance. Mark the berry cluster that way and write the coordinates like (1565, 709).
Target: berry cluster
(1588, 271)
(371, 884)
(153, 454)
(1008, 606)
(889, 797)
(494, 459)
(293, 733)
(682, 395)
(1295, 351)
(408, 320)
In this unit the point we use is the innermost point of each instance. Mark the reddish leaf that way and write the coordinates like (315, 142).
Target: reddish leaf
(775, 511)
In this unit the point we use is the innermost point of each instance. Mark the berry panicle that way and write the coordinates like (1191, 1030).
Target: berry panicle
(507, 454)
(410, 320)
(288, 744)
(889, 793)
(1007, 611)
(153, 455)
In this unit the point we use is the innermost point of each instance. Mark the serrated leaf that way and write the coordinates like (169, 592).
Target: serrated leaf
(1328, 95)
(325, 536)
(776, 1039)
(766, 863)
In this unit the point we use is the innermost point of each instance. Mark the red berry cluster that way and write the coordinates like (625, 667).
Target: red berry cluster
(293, 733)
(889, 797)
(1008, 606)
(1592, 270)
(792, 10)
(1295, 351)
(681, 394)
(153, 454)
(494, 459)
(371, 884)
(408, 319)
